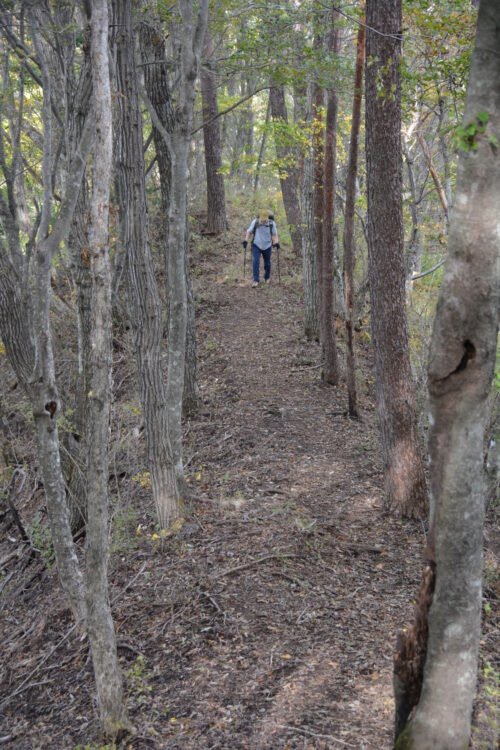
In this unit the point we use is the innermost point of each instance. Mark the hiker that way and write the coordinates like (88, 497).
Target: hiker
(264, 238)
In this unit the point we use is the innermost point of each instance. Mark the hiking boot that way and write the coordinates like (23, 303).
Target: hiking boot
(255, 284)
(267, 281)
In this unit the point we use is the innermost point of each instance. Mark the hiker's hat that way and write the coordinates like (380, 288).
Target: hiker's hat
(263, 215)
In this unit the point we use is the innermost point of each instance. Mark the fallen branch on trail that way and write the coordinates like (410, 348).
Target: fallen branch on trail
(251, 563)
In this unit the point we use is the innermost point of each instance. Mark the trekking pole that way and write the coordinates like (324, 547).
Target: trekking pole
(244, 261)
(279, 275)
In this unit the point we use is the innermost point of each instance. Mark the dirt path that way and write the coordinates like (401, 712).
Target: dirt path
(269, 621)
(297, 478)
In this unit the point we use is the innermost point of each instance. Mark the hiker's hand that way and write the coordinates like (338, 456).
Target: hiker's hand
(245, 243)
(277, 246)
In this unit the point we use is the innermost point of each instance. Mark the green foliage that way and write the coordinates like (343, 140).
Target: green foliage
(438, 50)
(467, 136)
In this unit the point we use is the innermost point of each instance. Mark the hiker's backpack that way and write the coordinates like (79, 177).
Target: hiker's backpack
(255, 224)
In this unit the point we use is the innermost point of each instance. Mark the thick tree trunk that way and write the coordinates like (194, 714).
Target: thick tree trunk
(99, 620)
(289, 173)
(331, 367)
(216, 201)
(192, 35)
(309, 257)
(461, 367)
(349, 238)
(405, 488)
(146, 315)
(158, 91)
(177, 141)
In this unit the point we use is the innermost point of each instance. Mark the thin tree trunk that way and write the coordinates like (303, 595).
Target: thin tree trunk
(289, 171)
(413, 254)
(349, 238)
(309, 255)
(405, 488)
(331, 367)
(190, 399)
(443, 147)
(146, 316)
(318, 191)
(262, 149)
(42, 383)
(433, 172)
(461, 367)
(99, 620)
(216, 201)
(75, 456)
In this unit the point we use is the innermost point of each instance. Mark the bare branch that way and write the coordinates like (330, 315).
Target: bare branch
(230, 109)
(154, 117)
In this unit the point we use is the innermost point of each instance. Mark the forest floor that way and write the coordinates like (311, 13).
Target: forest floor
(269, 620)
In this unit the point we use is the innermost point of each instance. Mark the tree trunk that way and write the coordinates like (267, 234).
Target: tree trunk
(262, 149)
(461, 367)
(41, 383)
(216, 201)
(146, 315)
(289, 172)
(413, 254)
(192, 36)
(309, 256)
(349, 238)
(191, 396)
(99, 620)
(433, 172)
(318, 196)
(405, 488)
(75, 455)
(158, 91)
(331, 367)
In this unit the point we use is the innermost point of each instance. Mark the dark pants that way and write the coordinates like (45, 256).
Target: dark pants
(266, 254)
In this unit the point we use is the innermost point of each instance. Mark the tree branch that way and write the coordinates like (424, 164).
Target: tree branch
(230, 109)
(73, 186)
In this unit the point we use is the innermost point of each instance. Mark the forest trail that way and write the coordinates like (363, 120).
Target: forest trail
(269, 621)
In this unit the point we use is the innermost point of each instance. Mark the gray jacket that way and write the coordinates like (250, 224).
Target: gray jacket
(263, 233)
